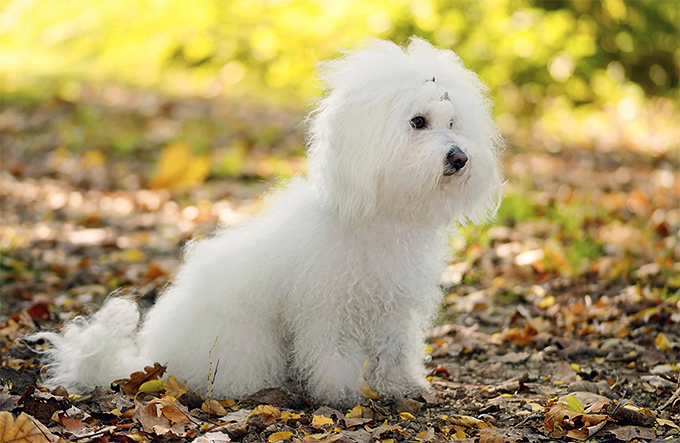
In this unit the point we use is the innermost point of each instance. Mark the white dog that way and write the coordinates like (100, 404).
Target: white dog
(342, 267)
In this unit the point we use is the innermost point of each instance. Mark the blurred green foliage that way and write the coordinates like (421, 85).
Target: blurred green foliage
(561, 72)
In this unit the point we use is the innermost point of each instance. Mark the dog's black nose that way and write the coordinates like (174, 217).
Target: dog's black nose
(455, 161)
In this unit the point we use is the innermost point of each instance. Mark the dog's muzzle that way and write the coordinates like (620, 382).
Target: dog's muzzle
(455, 161)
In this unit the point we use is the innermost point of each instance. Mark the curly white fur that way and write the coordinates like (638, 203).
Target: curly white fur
(342, 267)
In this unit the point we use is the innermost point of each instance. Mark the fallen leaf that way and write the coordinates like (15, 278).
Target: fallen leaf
(153, 272)
(173, 388)
(268, 413)
(161, 416)
(213, 437)
(664, 422)
(280, 436)
(131, 385)
(321, 422)
(441, 371)
(172, 411)
(213, 407)
(24, 430)
(573, 404)
(368, 392)
(662, 342)
(178, 167)
(356, 412)
(467, 421)
(632, 433)
(151, 386)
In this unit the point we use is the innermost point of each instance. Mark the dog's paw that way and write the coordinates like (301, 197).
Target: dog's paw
(399, 387)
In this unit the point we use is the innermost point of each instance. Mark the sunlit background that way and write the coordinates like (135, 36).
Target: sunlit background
(166, 95)
(580, 73)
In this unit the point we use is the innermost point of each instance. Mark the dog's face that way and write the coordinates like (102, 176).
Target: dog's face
(405, 135)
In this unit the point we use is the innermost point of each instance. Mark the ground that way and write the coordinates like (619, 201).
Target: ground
(559, 321)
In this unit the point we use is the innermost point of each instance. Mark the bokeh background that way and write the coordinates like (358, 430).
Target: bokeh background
(592, 74)
(176, 98)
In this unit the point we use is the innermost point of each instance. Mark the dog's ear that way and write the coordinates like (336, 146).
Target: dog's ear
(344, 160)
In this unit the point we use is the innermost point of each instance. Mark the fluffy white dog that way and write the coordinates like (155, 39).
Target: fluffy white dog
(342, 267)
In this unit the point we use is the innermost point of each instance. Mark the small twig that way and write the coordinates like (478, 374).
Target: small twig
(529, 418)
(211, 376)
(674, 398)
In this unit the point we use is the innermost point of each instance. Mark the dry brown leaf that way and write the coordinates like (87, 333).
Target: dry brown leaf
(153, 272)
(161, 416)
(467, 421)
(173, 388)
(172, 411)
(131, 385)
(493, 435)
(349, 422)
(25, 429)
(631, 433)
(213, 407)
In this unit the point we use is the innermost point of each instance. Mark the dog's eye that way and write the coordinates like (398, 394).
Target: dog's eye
(418, 122)
(451, 124)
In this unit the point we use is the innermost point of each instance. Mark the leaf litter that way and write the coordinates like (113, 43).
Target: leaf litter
(560, 321)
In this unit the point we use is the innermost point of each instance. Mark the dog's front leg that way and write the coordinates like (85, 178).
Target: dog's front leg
(330, 367)
(395, 367)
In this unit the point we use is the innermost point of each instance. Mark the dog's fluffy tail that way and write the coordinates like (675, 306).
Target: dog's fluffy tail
(95, 350)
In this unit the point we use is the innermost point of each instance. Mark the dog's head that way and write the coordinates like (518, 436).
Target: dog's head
(405, 134)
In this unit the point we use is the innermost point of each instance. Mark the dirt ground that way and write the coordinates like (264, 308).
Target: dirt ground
(560, 322)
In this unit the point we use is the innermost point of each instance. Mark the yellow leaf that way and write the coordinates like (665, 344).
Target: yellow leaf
(321, 421)
(280, 436)
(405, 416)
(467, 421)
(132, 256)
(178, 167)
(268, 413)
(667, 423)
(197, 171)
(171, 164)
(285, 416)
(459, 435)
(661, 342)
(356, 412)
(546, 302)
(368, 392)
(152, 386)
(94, 158)
(575, 366)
